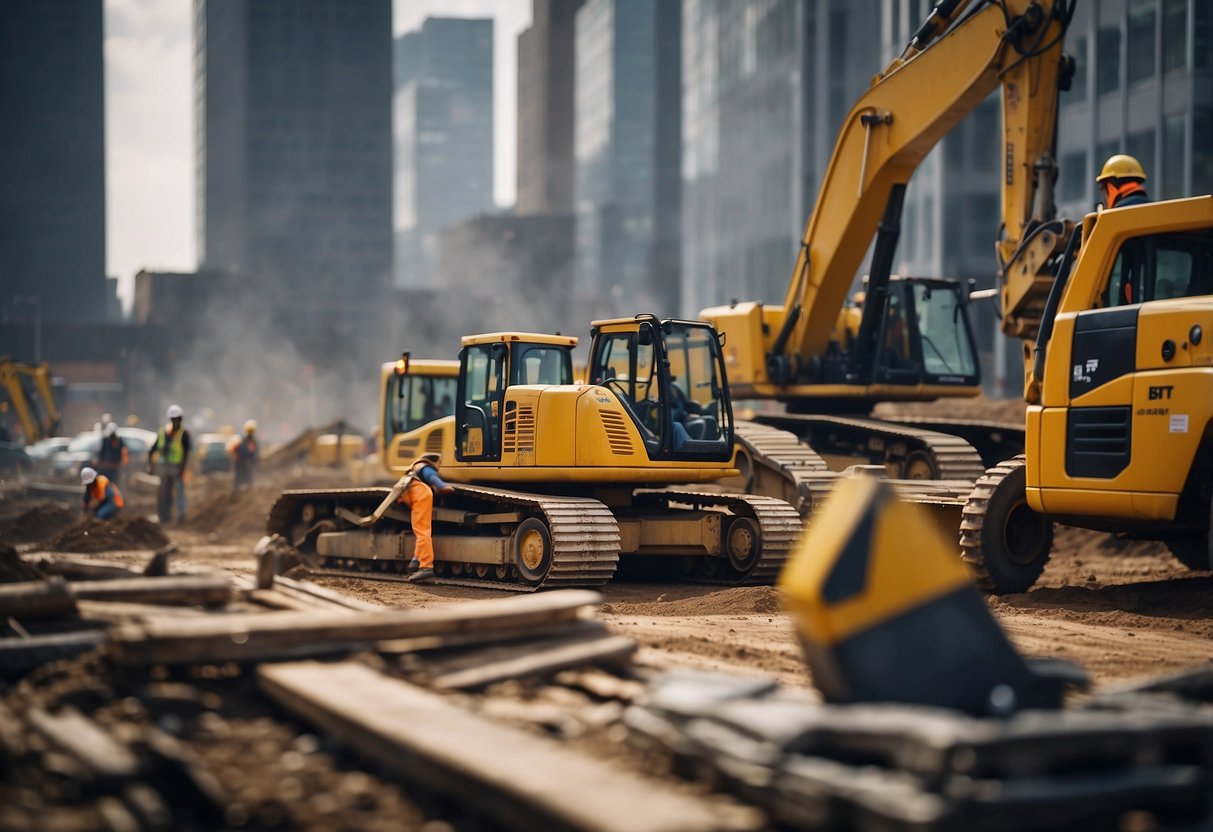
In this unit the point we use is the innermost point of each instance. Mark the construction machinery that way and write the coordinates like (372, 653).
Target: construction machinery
(910, 339)
(29, 390)
(555, 481)
(1119, 385)
(415, 397)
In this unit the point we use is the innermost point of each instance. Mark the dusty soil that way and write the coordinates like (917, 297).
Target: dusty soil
(124, 532)
(31, 521)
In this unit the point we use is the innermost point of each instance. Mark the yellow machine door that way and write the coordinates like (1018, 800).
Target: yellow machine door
(478, 408)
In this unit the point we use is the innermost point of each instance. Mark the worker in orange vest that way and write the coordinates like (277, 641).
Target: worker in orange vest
(102, 492)
(419, 496)
(1120, 182)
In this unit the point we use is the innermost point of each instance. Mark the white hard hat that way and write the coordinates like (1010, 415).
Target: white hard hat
(251, 424)
(111, 428)
(87, 475)
(174, 411)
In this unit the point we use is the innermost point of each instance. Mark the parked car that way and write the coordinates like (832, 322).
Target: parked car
(82, 450)
(40, 452)
(211, 453)
(79, 453)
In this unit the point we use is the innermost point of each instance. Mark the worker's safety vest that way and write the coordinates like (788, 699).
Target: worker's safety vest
(171, 448)
(99, 487)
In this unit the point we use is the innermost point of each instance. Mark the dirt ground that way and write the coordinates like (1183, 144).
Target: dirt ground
(1123, 609)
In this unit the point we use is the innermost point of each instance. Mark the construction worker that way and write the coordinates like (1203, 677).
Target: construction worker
(102, 492)
(112, 455)
(419, 496)
(169, 454)
(244, 456)
(1120, 182)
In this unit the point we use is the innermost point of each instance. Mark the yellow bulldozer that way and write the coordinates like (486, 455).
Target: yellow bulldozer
(554, 480)
(29, 390)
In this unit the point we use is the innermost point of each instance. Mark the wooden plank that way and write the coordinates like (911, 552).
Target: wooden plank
(186, 590)
(86, 742)
(276, 600)
(21, 655)
(334, 597)
(519, 780)
(541, 659)
(36, 599)
(125, 611)
(250, 638)
(77, 569)
(484, 638)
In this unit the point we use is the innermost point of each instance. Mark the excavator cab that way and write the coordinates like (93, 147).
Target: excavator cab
(416, 397)
(924, 335)
(669, 375)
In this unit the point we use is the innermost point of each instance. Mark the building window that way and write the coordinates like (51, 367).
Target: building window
(1078, 89)
(1202, 39)
(1107, 60)
(1141, 45)
(1174, 34)
(1172, 157)
(1141, 147)
(1202, 153)
(1074, 184)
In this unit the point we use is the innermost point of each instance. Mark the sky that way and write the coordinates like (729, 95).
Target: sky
(149, 145)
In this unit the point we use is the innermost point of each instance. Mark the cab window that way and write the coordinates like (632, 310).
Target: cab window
(1161, 267)
(543, 365)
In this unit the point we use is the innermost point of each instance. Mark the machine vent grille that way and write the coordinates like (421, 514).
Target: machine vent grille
(520, 431)
(616, 433)
(433, 442)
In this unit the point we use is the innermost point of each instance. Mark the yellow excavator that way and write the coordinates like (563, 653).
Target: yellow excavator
(29, 390)
(1119, 385)
(910, 340)
(555, 480)
(416, 394)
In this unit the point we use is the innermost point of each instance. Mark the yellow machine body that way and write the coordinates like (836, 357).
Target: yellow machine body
(29, 390)
(416, 399)
(1126, 399)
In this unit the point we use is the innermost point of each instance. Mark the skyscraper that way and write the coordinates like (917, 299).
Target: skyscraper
(766, 85)
(52, 160)
(627, 145)
(294, 166)
(545, 109)
(443, 130)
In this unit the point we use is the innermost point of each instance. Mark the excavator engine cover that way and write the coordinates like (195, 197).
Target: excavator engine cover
(887, 612)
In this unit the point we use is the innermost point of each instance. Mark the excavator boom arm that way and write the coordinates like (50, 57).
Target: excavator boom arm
(911, 105)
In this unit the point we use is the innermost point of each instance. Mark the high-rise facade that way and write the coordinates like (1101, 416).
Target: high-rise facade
(766, 85)
(1143, 86)
(443, 114)
(52, 161)
(294, 156)
(545, 109)
(627, 143)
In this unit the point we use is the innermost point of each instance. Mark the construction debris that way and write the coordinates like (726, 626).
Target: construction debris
(891, 767)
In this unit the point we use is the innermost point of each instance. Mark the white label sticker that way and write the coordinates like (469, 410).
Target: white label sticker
(1179, 423)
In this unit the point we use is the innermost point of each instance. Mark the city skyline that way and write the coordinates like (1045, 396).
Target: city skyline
(149, 145)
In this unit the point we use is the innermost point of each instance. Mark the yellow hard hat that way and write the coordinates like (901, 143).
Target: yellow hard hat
(250, 426)
(1121, 166)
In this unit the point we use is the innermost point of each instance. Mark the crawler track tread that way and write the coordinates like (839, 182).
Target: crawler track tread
(778, 524)
(953, 457)
(972, 519)
(584, 533)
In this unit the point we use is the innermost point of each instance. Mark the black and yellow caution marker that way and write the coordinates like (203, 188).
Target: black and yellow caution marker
(888, 612)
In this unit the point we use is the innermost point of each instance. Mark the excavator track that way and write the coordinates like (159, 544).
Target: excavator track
(778, 456)
(779, 527)
(950, 456)
(1024, 550)
(994, 440)
(584, 537)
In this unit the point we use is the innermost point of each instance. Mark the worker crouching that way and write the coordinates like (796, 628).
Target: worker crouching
(419, 496)
(101, 495)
